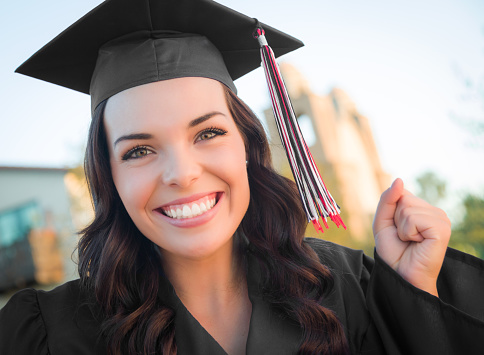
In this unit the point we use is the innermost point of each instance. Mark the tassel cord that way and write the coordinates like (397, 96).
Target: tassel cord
(315, 197)
(302, 160)
(287, 140)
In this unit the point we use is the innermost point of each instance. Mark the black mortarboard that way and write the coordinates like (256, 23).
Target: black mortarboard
(135, 42)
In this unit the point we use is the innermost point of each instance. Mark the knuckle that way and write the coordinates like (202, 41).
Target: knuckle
(406, 232)
(404, 212)
(411, 219)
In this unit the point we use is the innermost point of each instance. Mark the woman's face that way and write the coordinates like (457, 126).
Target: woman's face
(179, 164)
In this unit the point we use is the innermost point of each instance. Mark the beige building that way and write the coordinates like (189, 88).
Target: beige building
(342, 145)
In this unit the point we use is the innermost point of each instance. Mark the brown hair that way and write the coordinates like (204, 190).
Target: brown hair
(122, 267)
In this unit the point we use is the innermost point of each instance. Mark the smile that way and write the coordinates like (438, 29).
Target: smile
(190, 209)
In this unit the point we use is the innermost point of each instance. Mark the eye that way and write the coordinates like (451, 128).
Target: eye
(137, 152)
(210, 133)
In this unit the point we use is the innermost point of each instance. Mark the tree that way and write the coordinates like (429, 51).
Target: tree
(468, 235)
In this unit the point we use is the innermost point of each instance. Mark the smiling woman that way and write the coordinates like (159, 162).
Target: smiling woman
(197, 245)
(196, 253)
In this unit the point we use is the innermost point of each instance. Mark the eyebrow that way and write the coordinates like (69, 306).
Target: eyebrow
(146, 136)
(133, 136)
(203, 118)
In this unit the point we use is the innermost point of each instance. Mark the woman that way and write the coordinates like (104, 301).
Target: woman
(197, 246)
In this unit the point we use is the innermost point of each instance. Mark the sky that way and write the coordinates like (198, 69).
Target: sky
(405, 64)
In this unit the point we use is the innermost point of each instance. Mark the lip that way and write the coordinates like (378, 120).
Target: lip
(188, 199)
(194, 221)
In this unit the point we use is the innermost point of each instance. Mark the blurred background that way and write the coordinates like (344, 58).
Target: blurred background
(381, 90)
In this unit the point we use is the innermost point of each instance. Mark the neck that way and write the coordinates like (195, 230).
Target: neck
(214, 290)
(211, 281)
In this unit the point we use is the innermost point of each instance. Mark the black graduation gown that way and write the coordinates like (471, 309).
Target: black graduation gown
(381, 313)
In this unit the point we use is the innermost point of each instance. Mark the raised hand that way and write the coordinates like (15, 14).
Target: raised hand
(411, 236)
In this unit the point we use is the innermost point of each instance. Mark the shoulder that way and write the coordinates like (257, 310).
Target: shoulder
(32, 303)
(37, 322)
(340, 259)
(64, 295)
(22, 305)
(22, 329)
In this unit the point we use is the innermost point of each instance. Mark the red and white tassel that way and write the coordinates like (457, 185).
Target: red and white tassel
(316, 199)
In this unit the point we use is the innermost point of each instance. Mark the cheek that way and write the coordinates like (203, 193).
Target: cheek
(134, 188)
(233, 170)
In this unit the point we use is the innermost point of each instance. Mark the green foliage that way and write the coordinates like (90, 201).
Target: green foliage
(468, 235)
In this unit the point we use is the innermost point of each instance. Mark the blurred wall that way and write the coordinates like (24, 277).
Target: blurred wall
(19, 185)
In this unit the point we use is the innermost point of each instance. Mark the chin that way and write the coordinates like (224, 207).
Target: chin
(196, 246)
(199, 251)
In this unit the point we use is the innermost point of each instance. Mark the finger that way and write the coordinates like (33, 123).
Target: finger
(409, 204)
(406, 192)
(418, 227)
(407, 196)
(407, 228)
(402, 214)
(387, 206)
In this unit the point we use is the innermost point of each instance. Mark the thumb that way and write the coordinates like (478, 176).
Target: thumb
(387, 206)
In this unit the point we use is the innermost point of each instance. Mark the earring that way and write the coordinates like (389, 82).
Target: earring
(246, 162)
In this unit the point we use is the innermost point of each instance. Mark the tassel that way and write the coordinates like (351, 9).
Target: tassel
(315, 197)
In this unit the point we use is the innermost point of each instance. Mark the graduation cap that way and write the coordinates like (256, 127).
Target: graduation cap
(125, 43)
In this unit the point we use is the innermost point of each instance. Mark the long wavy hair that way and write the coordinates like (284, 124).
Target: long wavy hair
(122, 268)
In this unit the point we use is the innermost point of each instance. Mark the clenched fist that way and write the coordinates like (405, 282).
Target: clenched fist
(411, 236)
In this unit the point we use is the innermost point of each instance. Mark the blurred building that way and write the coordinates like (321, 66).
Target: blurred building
(343, 148)
(37, 235)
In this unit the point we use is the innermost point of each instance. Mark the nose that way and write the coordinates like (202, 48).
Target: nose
(180, 168)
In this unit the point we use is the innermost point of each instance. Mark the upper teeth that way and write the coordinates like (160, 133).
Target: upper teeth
(191, 209)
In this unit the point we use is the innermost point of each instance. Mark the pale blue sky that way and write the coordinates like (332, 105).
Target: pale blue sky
(398, 60)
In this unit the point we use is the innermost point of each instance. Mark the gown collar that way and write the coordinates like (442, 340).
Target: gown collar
(269, 332)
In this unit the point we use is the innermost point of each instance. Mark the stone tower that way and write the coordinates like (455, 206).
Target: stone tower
(343, 148)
